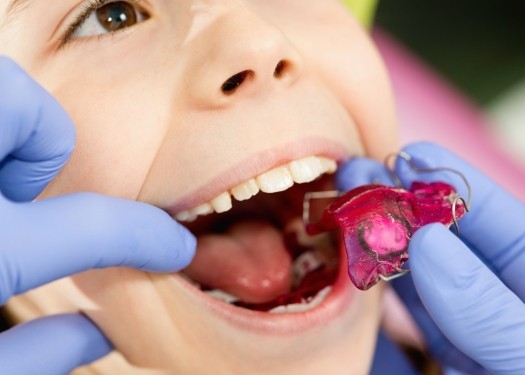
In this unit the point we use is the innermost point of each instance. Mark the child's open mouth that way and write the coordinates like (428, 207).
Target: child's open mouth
(255, 254)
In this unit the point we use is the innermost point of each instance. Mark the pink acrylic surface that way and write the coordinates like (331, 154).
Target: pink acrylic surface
(377, 222)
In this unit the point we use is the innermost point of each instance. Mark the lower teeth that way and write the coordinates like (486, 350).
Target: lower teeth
(222, 296)
(305, 306)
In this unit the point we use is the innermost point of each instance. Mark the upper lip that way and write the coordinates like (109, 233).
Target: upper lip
(255, 165)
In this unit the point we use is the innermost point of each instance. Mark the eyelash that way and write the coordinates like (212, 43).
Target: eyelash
(87, 10)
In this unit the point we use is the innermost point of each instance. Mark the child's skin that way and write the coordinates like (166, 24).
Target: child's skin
(154, 126)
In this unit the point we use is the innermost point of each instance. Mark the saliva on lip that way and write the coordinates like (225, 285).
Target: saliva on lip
(376, 223)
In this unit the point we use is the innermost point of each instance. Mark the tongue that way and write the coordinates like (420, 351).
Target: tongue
(249, 261)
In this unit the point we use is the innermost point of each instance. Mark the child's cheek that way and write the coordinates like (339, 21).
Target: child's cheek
(352, 67)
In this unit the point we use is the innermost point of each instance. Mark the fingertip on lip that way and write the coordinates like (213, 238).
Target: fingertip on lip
(187, 247)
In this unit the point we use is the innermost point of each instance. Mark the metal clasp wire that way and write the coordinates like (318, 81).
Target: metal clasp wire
(316, 195)
(406, 157)
(393, 275)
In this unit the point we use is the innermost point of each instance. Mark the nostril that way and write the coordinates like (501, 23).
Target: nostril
(280, 68)
(234, 82)
(231, 84)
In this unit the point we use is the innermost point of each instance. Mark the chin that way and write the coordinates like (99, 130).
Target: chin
(261, 297)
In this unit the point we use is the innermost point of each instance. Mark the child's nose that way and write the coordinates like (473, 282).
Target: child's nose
(241, 55)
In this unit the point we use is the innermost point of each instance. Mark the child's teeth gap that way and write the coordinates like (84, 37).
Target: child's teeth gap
(275, 180)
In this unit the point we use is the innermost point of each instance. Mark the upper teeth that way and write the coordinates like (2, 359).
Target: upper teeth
(273, 181)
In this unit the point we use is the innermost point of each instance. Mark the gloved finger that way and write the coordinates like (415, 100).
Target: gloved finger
(470, 304)
(439, 347)
(52, 345)
(495, 228)
(56, 237)
(36, 134)
(361, 171)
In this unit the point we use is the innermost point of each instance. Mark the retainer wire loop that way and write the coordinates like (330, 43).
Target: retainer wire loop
(410, 161)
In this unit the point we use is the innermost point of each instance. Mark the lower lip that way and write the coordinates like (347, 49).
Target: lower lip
(334, 305)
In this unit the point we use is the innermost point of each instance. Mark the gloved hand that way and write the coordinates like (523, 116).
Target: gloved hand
(472, 287)
(46, 240)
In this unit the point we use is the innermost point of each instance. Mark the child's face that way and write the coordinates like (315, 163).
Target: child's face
(159, 120)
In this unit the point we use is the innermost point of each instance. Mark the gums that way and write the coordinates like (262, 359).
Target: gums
(376, 223)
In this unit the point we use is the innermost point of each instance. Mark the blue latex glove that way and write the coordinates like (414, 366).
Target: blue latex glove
(53, 238)
(470, 290)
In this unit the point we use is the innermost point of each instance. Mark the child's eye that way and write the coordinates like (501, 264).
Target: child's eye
(101, 17)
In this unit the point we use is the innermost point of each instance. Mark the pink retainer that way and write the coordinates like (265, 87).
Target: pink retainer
(376, 223)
